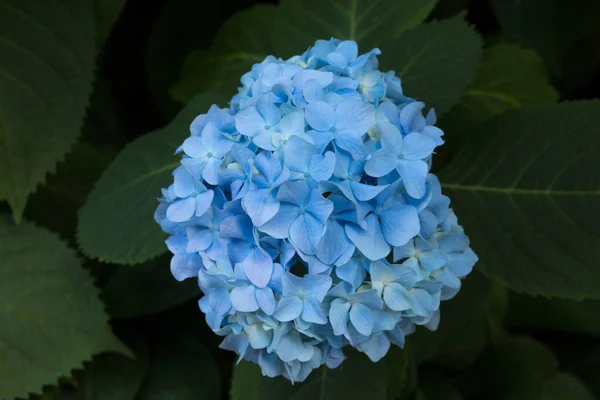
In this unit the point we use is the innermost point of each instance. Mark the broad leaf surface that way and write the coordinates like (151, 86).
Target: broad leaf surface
(527, 191)
(51, 319)
(47, 54)
(510, 77)
(436, 61)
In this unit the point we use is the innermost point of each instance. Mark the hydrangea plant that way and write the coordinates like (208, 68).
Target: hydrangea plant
(307, 212)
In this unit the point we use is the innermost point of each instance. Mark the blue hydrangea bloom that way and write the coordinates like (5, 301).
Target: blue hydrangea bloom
(307, 212)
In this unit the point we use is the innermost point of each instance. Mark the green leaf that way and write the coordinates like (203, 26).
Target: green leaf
(527, 312)
(245, 384)
(147, 289)
(107, 377)
(107, 14)
(565, 386)
(47, 54)
(525, 191)
(510, 77)
(549, 27)
(368, 22)
(356, 379)
(398, 369)
(182, 369)
(436, 62)
(462, 332)
(513, 370)
(116, 223)
(51, 319)
(242, 41)
(435, 386)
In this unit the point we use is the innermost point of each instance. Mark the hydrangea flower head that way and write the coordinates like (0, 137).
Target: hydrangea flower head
(307, 213)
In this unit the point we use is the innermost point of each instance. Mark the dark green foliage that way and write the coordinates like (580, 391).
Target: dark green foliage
(82, 82)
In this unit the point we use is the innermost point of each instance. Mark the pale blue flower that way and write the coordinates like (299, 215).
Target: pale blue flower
(302, 297)
(288, 202)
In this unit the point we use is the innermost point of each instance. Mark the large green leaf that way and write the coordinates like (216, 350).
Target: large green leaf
(245, 383)
(147, 289)
(551, 27)
(368, 22)
(527, 191)
(51, 319)
(436, 62)
(564, 386)
(356, 379)
(47, 53)
(107, 377)
(528, 312)
(513, 370)
(242, 41)
(249, 36)
(107, 14)
(116, 224)
(181, 368)
(510, 77)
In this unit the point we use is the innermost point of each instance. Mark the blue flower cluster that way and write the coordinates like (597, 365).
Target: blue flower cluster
(308, 214)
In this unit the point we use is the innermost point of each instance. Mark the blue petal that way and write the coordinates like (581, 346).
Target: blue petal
(354, 118)
(369, 241)
(364, 192)
(182, 210)
(288, 309)
(320, 116)
(413, 175)
(279, 226)
(219, 301)
(266, 300)
(376, 347)
(396, 297)
(316, 286)
(391, 138)
(369, 297)
(249, 122)
(260, 205)
(293, 192)
(311, 312)
(200, 240)
(352, 272)
(399, 224)
(318, 206)
(306, 233)
(338, 315)
(258, 267)
(432, 260)
(243, 298)
(259, 338)
(352, 144)
(362, 318)
(381, 163)
(312, 92)
(349, 49)
(203, 202)
(334, 244)
(321, 167)
(417, 146)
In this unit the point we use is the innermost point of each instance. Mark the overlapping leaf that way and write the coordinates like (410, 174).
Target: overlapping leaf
(51, 319)
(47, 54)
(528, 192)
(302, 22)
(436, 62)
(116, 224)
(510, 77)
